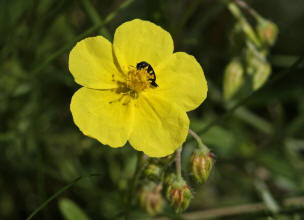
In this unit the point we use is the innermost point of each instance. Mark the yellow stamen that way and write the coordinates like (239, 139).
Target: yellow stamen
(138, 79)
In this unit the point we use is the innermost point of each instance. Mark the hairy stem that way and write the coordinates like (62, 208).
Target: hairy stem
(178, 163)
(201, 145)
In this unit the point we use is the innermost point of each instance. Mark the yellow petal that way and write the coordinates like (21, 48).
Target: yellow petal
(95, 115)
(139, 40)
(181, 80)
(91, 62)
(160, 127)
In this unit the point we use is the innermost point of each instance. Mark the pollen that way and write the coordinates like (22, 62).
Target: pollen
(138, 79)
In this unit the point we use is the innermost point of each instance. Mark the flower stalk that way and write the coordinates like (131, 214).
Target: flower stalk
(201, 145)
(140, 165)
(178, 163)
(248, 30)
(244, 5)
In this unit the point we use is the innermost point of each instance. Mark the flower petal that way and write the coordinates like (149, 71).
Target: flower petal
(95, 115)
(181, 80)
(159, 128)
(91, 62)
(139, 40)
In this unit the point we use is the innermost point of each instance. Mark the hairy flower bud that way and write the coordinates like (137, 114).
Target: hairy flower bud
(178, 194)
(267, 31)
(169, 179)
(150, 198)
(153, 172)
(233, 78)
(201, 165)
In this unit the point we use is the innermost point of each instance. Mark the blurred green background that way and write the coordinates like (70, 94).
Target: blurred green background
(259, 148)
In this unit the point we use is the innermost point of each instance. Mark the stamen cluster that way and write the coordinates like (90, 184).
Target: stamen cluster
(138, 79)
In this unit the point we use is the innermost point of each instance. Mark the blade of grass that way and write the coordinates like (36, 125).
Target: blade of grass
(268, 199)
(187, 15)
(95, 18)
(242, 113)
(66, 187)
(254, 120)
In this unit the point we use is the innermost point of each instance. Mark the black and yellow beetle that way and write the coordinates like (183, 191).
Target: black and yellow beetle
(143, 65)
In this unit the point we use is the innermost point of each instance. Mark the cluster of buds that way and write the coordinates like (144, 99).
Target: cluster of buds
(178, 193)
(201, 164)
(251, 69)
(150, 198)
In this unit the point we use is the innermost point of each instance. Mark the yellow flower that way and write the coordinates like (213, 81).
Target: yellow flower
(135, 89)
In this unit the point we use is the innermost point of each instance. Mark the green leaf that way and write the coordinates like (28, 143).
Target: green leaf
(71, 211)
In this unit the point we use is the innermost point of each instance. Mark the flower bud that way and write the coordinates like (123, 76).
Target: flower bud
(201, 165)
(257, 67)
(267, 31)
(233, 78)
(150, 198)
(261, 75)
(153, 172)
(169, 179)
(179, 194)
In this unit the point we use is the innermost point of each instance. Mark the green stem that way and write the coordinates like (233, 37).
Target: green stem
(201, 145)
(178, 163)
(244, 5)
(242, 113)
(140, 166)
(254, 120)
(249, 32)
(250, 10)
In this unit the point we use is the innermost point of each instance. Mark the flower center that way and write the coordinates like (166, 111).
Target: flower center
(138, 79)
(141, 77)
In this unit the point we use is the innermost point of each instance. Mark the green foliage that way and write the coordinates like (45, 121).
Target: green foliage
(71, 211)
(41, 150)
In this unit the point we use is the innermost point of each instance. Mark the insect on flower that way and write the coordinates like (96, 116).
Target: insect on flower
(148, 67)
